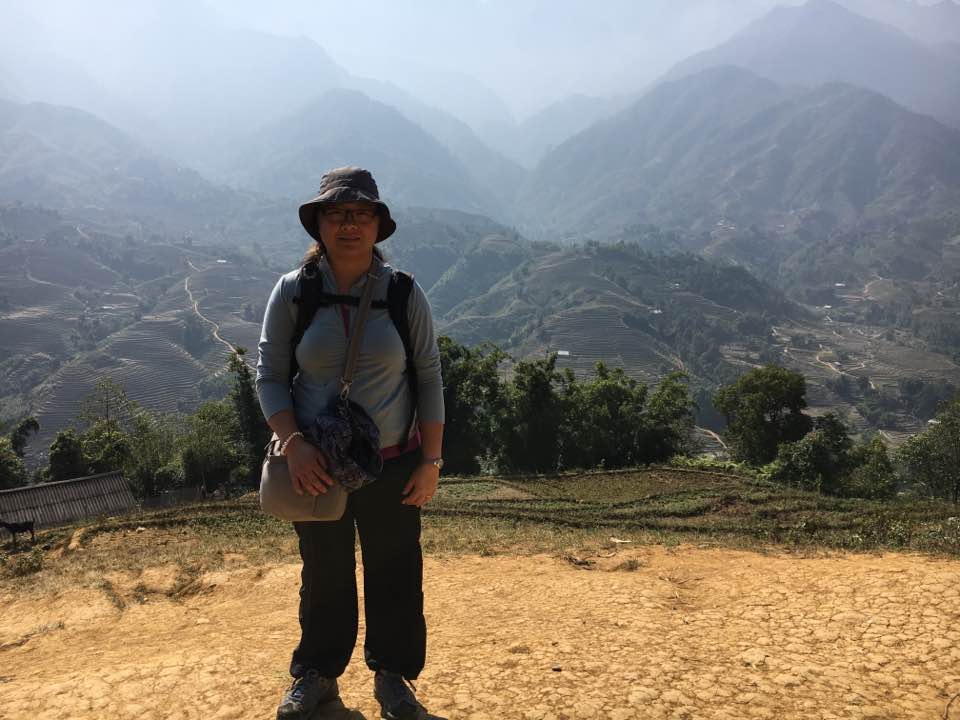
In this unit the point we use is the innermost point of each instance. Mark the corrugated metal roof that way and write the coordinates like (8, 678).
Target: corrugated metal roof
(65, 501)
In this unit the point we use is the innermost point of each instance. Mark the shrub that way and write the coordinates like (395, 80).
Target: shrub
(763, 408)
(24, 564)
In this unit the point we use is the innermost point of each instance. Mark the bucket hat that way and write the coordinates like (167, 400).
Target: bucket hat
(346, 184)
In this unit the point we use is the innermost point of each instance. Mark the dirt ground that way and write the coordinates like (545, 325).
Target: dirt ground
(649, 633)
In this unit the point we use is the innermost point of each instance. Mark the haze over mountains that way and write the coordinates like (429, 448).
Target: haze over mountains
(801, 173)
(936, 22)
(726, 144)
(822, 41)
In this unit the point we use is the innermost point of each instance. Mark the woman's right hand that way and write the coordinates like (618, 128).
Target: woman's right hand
(308, 468)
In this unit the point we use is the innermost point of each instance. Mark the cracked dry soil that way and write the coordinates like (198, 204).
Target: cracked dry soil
(673, 633)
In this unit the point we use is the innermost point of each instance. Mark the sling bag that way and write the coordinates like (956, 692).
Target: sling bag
(345, 434)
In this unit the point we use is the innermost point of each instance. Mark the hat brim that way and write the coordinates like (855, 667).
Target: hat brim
(309, 210)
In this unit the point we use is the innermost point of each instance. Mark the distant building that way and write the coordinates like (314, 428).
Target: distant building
(57, 503)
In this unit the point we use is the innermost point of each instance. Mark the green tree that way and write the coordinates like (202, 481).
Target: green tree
(872, 474)
(819, 461)
(196, 335)
(603, 420)
(212, 454)
(105, 448)
(254, 433)
(13, 473)
(763, 408)
(156, 441)
(473, 397)
(21, 434)
(109, 403)
(529, 428)
(66, 456)
(932, 458)
(670, 420)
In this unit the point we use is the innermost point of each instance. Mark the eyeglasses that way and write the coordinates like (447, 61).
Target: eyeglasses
(362, 216)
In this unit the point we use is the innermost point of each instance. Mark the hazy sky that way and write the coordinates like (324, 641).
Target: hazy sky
(530, 52)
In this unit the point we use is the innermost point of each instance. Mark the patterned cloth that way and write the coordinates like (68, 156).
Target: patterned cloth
(350, 441)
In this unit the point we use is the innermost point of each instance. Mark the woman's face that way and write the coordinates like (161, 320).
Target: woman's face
(349, 230)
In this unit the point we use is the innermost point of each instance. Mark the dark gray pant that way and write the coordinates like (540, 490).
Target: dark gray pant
(396, 632)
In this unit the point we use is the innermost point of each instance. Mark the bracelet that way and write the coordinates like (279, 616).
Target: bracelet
(291, 436)
(436, 462)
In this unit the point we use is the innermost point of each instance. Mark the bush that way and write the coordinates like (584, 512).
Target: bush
(818, 461)
(872, 475)
(709, 464)
(932, 459)
(24, 564)
(764, 409)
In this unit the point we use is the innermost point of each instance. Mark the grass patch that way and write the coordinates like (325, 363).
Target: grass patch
(562, 514)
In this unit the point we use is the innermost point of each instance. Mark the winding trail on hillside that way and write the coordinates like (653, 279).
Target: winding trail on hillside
(196, 308)
(32, 278)
(82, 233)
(652, 632)
(826, 364)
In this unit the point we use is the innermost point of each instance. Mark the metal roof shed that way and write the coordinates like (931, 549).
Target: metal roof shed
(65, 501)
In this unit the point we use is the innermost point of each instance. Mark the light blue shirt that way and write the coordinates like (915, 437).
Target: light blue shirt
(379, 385)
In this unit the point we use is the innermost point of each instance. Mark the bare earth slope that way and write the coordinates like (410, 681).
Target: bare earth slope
(654, 633)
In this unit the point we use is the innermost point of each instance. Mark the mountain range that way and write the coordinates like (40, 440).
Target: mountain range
(65, 158)
(727, 148)
(657, 230)
(934, 23)
(822, 42)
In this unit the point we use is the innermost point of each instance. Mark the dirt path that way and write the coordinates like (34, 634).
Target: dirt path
(685, 633)
(216, 326)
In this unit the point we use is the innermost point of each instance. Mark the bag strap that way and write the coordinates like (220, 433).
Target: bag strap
(398, 300)
(311, 298)
(356, 334)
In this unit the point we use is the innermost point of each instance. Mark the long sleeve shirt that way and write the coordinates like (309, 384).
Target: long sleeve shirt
(379, 385)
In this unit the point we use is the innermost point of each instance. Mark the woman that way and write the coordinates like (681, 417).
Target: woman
(347, 219)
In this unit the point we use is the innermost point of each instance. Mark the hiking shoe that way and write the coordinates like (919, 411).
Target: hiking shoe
(396, 698)
(305, 695)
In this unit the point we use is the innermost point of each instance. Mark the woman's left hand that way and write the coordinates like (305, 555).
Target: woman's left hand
(422, 485)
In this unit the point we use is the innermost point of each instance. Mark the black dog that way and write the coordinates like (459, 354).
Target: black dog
(23, 527)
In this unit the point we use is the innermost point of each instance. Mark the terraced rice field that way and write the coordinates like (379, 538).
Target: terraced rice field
(67, 266)
(57, 403)
(40, 319)
(153, 370)
(595, 334)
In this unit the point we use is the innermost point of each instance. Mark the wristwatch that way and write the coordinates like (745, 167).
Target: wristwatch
(437, 462)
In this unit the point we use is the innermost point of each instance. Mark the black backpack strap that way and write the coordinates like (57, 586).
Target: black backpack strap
(398, 300)
(327, 299)
(308, 301)
(311, 297)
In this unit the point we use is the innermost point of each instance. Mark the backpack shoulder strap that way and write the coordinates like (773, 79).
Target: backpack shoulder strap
(398, 301)
(307, 300)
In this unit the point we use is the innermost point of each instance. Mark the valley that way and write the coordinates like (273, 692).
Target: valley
(780, 197)
(78, 315)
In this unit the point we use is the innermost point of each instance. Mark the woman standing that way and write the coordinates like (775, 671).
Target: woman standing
(347, 219)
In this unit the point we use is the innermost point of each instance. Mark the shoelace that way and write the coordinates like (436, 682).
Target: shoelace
(301, 684)
(397, 687)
